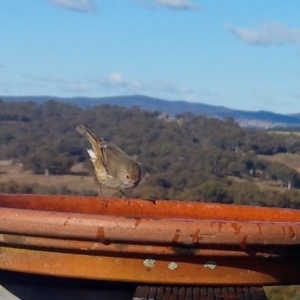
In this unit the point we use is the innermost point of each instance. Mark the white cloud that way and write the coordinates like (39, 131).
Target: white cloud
(170, 4)
(44, 78)
(77, 5)
(270, 33)
(176, 4)
(116, 80)
(61, 84)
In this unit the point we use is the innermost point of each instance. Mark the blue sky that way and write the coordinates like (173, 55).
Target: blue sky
(241, 54)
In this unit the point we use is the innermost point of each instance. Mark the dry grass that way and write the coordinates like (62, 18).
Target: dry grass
(290, 160)
(285, 132)
(270, 185)
(15, 172)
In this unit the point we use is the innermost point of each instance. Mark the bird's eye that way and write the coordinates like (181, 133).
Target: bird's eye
(127, 176)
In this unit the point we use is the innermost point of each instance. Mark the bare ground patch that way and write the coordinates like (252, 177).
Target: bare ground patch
(15, 172)
(285, 132)
(270, 185)
(288, 159)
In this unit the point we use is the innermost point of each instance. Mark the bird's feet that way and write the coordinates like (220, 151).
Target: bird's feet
(152, 201)
(125, 197)
(105, 201)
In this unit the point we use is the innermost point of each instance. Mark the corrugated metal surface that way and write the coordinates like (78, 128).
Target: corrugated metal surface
(166, 242)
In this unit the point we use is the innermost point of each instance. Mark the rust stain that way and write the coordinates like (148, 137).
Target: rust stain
(236, 228)
(163, 209)
(101, 234)
(66, 222)
(259, 228)
(195, 237)
(176, 236)
(170, 231)
(291, 232)
(137, 223)
(243, 243)
(220, 226)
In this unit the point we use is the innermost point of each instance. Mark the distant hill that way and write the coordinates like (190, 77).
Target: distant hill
(261, 119)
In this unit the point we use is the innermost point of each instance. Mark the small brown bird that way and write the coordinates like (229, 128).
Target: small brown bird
(113, 168)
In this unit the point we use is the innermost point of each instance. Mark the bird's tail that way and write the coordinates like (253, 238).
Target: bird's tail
(88, 134)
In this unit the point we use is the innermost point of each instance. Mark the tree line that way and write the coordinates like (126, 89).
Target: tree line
(188, 157)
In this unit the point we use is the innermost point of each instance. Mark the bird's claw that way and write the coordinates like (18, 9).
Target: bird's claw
(126, 199)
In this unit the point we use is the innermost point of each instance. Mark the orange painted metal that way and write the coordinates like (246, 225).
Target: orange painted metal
(166, 242)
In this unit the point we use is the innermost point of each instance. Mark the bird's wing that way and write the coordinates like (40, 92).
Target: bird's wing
(104, 156)
(112, 157)
(97, 151)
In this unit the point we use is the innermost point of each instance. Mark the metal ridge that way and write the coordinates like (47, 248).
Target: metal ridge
(147, 209)
(166, 242)
(105, 229)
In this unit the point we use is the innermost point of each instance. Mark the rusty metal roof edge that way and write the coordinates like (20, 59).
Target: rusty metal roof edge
(21, 241)
(170, 242)
(144, 208)
(104, 228)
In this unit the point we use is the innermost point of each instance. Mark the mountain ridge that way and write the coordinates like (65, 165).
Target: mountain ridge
(260, 119)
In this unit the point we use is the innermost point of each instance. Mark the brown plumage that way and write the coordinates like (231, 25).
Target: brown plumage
(113, 167)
